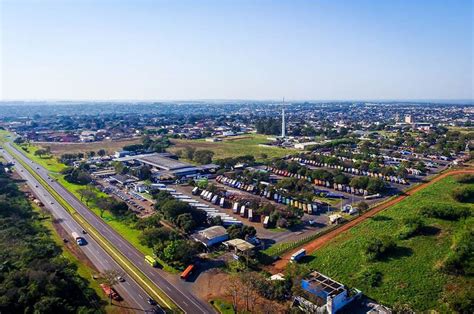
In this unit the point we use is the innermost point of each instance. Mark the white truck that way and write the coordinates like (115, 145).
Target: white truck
(298, 255)
(79, 240)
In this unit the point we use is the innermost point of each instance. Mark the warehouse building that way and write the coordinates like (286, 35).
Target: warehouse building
(211, 236)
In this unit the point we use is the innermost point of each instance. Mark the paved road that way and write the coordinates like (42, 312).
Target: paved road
(132, 293)
(175, 290)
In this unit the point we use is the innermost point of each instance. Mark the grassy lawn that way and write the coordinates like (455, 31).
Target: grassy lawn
(222, 306)
(235, 146)
(48, 162)
(409, 275)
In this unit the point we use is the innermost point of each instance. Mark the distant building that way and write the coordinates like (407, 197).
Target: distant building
(409, 119)
(304, 146)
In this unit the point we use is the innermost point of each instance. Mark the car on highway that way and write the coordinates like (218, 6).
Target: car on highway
(120, 279)
(151, 301)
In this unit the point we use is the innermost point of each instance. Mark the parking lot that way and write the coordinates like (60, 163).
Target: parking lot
(141, 206)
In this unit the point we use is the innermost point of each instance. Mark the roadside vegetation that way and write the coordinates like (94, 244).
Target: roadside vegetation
(35, 276)
(417, 254)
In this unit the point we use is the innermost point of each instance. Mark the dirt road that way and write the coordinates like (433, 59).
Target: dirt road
(321, 241)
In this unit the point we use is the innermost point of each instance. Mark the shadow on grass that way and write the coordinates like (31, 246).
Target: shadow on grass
(380, 218)
(430, 231)
(396, 253)
(306, 259)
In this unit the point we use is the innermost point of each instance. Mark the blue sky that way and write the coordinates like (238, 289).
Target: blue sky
(167, 50)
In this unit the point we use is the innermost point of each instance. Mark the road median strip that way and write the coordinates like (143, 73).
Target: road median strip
(123, 261)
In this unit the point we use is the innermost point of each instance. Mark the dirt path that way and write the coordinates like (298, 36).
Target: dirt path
(321, 241)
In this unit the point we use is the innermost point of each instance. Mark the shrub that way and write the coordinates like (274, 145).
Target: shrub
(445, 211)
(371, 277)
(460, 260)
(465, 178)
(377, 248)
(463, 194)
(411, 227)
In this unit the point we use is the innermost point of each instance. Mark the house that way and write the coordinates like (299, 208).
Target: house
(330, 295)
(211, 236)
(240, 246)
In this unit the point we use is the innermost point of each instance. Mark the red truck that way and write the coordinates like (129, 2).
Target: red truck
(110, 292)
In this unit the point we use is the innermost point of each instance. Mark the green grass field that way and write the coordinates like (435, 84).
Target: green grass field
(232, 147)
(409, 275)
(48, 162)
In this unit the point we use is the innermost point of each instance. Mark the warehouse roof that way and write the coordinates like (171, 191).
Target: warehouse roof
(162, 162)
(213, 232)
(239, 245)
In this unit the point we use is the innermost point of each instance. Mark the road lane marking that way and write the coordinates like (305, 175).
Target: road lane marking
(93, 231)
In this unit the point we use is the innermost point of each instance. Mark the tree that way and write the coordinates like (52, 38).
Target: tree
(188, 152)
(87, 194)
(203, 156)
(233, 291)
(110, 278)
(101, 152)
(103, 204)
(362, 206)
(40, 152)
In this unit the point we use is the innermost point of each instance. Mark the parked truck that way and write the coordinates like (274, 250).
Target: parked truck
(79, 240)
(298, 255)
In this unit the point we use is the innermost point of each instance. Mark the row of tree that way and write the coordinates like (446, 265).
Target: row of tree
(200, 156)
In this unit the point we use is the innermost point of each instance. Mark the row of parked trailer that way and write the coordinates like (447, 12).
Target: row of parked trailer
(227, 220)
(236, 184)
(393, 179)
(310, 208)
(238, 208)
(339, 187)
(388, 160)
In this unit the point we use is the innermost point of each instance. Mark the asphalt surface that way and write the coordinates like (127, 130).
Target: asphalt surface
(129, 290)
(175, 290)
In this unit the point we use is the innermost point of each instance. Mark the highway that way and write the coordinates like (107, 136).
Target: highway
(132, 293)
(174, 289)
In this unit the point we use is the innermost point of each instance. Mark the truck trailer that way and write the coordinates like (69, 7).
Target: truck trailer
(298, 255)
(79, 240)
